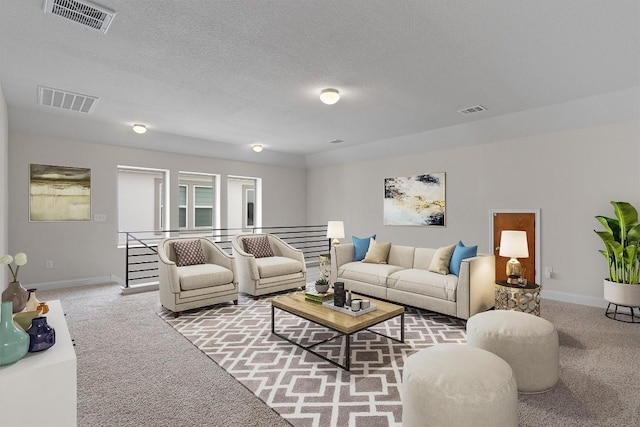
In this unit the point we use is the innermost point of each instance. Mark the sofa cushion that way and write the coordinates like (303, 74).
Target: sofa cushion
(203, 276)
(360, 247)
(258, 246)
(277, 266)
(441, 259)
(188, 252)
(374, 274)
(377, 253)
(459, 253)
(401, 255)
(424, 282)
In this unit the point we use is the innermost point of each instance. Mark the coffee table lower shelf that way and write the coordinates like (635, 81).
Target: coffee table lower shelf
(339, 333)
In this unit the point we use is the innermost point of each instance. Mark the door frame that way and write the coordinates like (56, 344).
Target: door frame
(536, 213)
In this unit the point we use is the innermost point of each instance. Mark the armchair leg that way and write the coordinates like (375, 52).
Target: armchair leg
(256, 297)
(235, 302)
(176, 314)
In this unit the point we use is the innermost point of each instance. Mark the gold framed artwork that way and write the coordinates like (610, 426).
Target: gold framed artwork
(415, 200)
(59, 193)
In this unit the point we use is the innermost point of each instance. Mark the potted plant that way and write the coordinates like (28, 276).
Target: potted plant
(322, 285)
(621, 239)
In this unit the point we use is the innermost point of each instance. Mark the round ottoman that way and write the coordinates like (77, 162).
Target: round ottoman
(527, 342)
(458, 385)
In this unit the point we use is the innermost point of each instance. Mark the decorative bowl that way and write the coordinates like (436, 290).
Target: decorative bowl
(24, 318)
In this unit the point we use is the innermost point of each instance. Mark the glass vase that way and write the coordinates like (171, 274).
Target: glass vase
(41, 335)
(14, 342)
(17, 294)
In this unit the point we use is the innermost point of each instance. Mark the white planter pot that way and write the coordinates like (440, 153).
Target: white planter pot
(622, 294)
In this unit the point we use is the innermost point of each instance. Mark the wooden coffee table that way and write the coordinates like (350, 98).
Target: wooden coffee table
(344, 324)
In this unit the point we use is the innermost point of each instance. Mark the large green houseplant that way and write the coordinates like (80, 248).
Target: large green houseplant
(621, 238)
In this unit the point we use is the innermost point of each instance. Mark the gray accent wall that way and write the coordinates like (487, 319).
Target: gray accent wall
(570, 175)
(4, 188)
(81, 250)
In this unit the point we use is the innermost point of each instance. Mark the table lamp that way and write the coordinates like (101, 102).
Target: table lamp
(335, 231)
(513, 244)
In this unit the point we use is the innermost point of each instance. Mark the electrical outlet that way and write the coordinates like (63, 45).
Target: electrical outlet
(48, 263)
(548, 272)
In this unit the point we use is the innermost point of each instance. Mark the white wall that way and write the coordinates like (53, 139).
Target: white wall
(569, 175)
(4, 188)
(82, 250)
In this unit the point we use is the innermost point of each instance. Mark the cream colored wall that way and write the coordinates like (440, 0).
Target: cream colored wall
(570, 176)
(4, 188)
(89, 249)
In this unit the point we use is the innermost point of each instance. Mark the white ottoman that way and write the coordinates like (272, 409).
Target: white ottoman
(527, 342)
(458, 385)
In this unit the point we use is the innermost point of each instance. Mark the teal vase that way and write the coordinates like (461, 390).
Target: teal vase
(14, 342)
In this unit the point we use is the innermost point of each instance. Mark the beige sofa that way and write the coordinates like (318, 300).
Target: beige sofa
(285, 269)
(406, 279)
(198, 285)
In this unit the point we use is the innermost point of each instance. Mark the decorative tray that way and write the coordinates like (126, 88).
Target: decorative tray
(329, 304)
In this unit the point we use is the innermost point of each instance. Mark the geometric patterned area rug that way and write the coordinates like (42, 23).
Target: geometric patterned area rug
(303, 388)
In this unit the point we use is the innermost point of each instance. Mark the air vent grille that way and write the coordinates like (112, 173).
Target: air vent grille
(83, 12)
(66, 100)
(472, 110)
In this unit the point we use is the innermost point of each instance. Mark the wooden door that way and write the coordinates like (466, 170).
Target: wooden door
(525, 221)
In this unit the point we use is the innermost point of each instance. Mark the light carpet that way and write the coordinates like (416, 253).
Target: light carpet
(303, 388)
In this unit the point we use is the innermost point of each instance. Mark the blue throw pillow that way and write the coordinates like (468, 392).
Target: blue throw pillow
(459, 253)
(360, 247)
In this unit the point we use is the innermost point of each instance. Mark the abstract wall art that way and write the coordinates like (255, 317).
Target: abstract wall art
(59, 193)
(415, 200)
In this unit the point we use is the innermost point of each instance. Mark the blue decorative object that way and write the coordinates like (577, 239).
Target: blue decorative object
(459, 253)
(360, 247)
(14, 342)
(41, 335)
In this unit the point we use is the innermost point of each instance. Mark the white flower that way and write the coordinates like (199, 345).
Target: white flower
(20, 259)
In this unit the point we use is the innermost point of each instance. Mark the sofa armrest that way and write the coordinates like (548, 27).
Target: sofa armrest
(340, 255)
(168, 271)
(246, 262)
(475, 292)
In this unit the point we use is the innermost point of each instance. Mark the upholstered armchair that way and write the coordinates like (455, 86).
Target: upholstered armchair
(195, 272)
(267, 264)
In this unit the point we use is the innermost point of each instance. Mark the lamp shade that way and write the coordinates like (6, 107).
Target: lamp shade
(513, 244)
(335, 230)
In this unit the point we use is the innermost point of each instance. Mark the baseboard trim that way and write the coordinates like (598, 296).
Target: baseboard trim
(136, 289)
(574, 298)
(74, 283)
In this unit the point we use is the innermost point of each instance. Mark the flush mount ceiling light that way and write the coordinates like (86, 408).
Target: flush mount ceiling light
(257, 147)
(140, 129)
(329, 96)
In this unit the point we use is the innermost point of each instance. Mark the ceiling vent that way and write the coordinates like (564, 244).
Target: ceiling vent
(472, 110)
(81, 11)
(57, 98)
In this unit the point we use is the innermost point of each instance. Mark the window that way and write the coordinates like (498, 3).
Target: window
(198, 204)
(182, 206)
(202, 206)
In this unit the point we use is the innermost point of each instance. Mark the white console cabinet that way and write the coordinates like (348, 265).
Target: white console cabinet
(40, 389)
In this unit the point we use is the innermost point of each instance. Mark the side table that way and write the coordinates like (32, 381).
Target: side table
(519, 298)
(325, 265)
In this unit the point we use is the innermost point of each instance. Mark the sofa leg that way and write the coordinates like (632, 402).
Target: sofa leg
(235, 302)
(256, 297)
(176, 314)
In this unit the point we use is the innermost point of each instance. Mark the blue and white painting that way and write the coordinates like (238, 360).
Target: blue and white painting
(415, 200)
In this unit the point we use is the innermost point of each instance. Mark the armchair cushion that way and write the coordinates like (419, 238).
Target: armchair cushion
(258, 246)
(277, 266)
(203, 276)
(188, 252)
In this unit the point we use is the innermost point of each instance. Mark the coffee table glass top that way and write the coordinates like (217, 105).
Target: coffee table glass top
(341, 322)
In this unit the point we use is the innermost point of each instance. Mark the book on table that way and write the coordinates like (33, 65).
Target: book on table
(318, 297)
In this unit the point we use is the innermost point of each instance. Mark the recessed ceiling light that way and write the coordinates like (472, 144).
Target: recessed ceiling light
(257, 147)
(329, 96)
(138, 128)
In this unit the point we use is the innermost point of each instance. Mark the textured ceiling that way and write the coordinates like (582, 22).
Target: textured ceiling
(234, 73)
